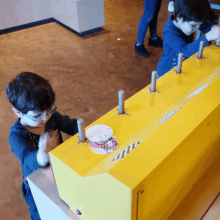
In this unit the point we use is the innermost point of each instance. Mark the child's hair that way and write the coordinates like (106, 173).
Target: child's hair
(192, 10)
(30, 92)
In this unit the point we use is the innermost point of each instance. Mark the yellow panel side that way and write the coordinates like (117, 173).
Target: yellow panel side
(97, 197)
(167, 188)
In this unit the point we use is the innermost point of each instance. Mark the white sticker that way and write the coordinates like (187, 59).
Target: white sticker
(198, 90)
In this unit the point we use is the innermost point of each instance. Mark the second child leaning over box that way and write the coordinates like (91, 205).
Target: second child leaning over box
(178, 33)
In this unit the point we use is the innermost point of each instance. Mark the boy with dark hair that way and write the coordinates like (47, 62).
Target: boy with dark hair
(38, 128)
(189, 16)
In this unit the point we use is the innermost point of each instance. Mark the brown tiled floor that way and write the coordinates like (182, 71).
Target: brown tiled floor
(85, 72)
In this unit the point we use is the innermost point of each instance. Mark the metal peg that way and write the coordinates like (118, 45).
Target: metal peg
(201, 46)
(179, 64)
(81, 129)
(153, 81)
(121, 101)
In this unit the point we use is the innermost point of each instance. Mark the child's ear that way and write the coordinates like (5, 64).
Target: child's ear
(18, 113)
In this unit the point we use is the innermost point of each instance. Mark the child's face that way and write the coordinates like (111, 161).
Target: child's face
(188, 27)
(36, 118)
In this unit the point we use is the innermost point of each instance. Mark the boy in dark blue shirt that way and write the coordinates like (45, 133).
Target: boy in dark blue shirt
(189, 16)
(38, 128)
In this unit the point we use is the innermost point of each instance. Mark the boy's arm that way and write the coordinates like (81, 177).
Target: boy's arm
(43, 158)
(31, 159)
(23, 150)
(180, 46)
(66, 124)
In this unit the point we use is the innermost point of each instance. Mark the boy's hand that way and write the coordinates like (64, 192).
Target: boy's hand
(214, 34)
(48, 141)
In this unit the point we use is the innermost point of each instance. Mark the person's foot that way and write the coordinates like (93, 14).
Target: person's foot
(156, 43)
(171, 7)
(141, 50)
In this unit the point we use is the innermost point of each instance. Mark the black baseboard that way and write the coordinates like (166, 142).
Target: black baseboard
(37, 23)
(25, 26)
(79, 33)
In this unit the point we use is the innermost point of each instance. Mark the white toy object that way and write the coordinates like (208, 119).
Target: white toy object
(99, 133)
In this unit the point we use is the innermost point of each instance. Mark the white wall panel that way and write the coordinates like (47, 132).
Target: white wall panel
(18, 12)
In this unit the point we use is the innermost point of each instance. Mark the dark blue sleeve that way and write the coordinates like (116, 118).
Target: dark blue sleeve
(206, 26)
(65, 124)
(181, 46)
(24, 152)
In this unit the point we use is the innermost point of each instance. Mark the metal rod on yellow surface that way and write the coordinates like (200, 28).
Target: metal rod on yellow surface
(201, 46)
(179, 64)
(153, 81)
(81, 129)
(121, 101)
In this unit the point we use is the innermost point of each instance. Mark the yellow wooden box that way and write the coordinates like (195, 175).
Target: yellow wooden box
(151, 180)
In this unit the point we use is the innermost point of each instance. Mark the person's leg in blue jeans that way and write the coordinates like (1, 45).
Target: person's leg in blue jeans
(150, 13)
(28, 197)
(153, 25)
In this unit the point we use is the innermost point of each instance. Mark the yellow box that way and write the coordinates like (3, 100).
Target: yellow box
(179, 127)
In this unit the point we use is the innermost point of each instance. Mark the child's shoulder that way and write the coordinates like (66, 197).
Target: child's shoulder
(169, 24)
(171, 29)
(16, 126)
(18, 137)
(17, 129)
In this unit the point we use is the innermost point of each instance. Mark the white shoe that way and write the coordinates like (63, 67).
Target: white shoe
(171, 7)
